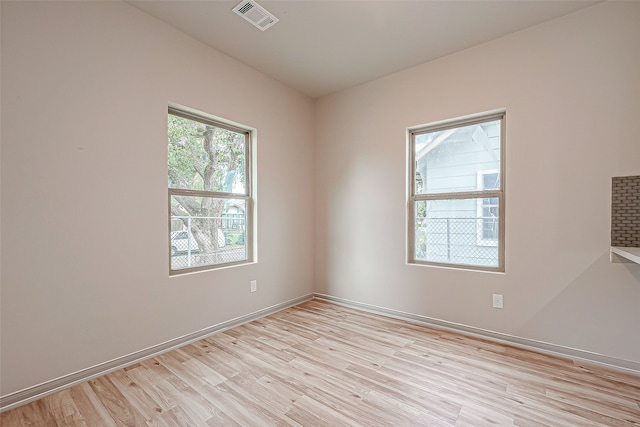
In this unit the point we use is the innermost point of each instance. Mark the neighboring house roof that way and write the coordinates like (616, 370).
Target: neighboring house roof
(478, 136)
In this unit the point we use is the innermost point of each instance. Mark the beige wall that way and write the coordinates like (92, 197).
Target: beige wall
(85, 88)
(571, 88)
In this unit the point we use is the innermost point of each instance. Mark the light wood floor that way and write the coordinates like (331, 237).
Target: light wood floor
(320, 364)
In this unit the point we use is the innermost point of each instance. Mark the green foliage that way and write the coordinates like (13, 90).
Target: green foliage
(234, 239)
(186, 154)
(204, 157)
(421, 211)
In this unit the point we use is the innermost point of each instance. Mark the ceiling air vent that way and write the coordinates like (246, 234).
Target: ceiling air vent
(255, 14)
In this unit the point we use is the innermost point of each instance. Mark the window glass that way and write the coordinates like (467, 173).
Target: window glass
(449, 160)
(446, 232)
(205, 157)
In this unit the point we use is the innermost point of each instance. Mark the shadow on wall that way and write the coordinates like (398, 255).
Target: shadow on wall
(598, 311)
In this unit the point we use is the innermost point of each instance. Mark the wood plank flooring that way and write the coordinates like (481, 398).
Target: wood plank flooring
(321, 364)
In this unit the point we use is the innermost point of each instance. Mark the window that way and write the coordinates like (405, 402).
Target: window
(210, 199)
(456, 193)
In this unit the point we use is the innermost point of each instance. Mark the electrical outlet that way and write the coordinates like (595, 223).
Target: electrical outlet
(254, 285)
(498, 301)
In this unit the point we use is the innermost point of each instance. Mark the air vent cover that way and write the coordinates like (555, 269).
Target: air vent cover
(255, 14)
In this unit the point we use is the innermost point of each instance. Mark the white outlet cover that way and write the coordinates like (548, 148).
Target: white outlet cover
(498, 301)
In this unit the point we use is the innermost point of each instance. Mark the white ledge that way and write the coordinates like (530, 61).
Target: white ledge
(620, 254)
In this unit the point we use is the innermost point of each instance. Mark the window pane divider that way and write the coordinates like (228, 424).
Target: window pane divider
(460, 195)
(203, 193)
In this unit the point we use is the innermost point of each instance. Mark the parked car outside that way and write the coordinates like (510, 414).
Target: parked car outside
(183, 241)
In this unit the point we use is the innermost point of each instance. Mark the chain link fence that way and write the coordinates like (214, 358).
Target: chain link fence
(466, 241)
(198, 259)
(229, 247)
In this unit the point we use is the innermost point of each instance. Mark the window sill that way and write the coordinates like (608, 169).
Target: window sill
(620, 254)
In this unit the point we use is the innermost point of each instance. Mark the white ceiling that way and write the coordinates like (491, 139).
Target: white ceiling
(321, 46)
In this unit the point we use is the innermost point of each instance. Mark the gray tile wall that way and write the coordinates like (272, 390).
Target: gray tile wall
(625, 211)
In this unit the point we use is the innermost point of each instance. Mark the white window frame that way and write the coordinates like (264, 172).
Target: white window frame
(414, 198)
(248, 196)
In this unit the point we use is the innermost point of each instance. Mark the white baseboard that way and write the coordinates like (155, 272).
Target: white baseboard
(529, 344)
(39, 391)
